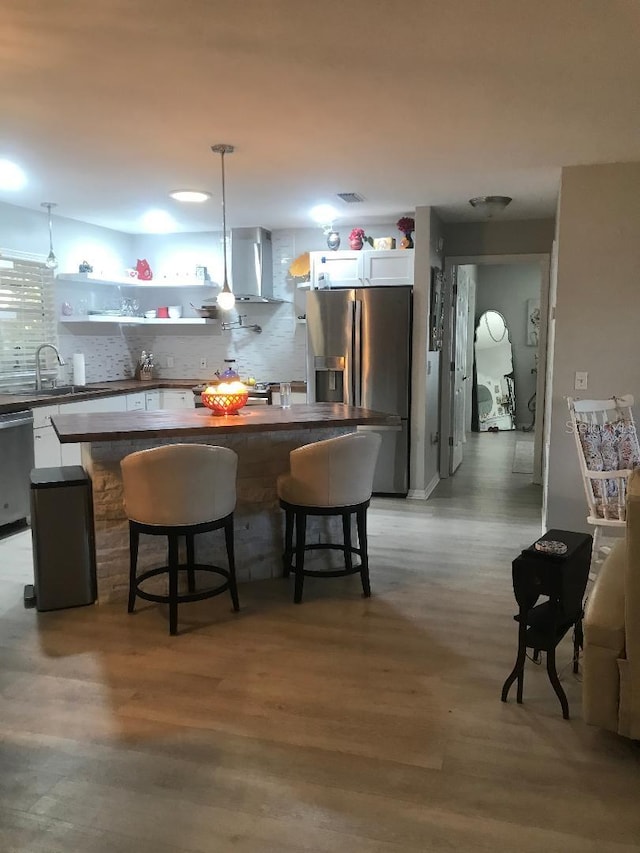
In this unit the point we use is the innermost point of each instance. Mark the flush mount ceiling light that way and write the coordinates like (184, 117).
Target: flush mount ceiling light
(324, 214)
(158, 222)
(192, 196)
(12, 178)
(52, 261)
(490, 204)
(226, 300)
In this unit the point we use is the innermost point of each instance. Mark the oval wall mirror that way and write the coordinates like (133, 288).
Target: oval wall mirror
(495, 390)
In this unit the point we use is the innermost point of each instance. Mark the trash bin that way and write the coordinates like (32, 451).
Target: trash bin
(64, 554)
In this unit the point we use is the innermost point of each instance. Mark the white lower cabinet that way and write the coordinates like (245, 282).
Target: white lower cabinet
(49, 453)
(136, 402)
(297, 397)
(152, 400)
(46, 448)
(171, 398)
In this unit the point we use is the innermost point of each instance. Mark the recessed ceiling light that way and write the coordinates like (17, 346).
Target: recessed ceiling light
(11, 176)
(323, 214)
(197, 196)
(158, 222)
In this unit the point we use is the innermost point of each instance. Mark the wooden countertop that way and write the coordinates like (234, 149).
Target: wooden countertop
(31, 400)
(118, 426)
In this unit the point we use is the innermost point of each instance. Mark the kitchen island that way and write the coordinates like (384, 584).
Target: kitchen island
(261, 436)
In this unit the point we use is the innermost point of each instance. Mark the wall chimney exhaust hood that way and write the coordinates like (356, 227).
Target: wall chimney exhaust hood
(251, 265)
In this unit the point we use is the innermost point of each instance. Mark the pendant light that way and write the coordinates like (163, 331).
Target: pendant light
(52, 261)
(226, 300)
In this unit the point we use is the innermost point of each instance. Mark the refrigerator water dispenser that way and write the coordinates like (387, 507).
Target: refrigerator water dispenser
(329, 379)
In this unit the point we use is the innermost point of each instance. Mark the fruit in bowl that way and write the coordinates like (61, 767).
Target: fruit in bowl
(225, 398)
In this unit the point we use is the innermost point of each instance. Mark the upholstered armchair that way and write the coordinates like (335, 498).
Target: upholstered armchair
(611, 683)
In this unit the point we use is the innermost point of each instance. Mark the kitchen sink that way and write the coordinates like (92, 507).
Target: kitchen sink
(59, 391)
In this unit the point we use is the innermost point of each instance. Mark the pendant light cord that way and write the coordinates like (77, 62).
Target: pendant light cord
(224, 219)
(225, 296)
(52, 261)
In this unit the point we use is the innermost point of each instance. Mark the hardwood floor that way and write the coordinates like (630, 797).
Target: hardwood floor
(342, 724)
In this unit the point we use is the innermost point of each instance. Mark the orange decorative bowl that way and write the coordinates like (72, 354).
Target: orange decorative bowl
(226, 398)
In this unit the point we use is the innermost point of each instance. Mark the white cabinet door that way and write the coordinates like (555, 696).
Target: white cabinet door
(102, 404)
(42, 415)
(136, 402)
(71, 454)
(297, 397)
(152, 400)
(336, 269)
(46, 448)
(171, 398)
(394, 266)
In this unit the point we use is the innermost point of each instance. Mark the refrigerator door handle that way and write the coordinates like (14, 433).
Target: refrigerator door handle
(357, 353)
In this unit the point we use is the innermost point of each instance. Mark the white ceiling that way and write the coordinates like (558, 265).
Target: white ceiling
(110, 105)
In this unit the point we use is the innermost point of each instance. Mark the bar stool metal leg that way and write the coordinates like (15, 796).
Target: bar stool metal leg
(288, 542)
(301, 532)
(361, 521)
(191, 574)
(173, 583)
(346, 534)
(134, 538)
(228, 538)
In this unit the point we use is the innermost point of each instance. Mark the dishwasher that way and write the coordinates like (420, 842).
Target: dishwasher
(16, 462)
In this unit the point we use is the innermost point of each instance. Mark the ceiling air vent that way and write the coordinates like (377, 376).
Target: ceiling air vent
(351, 198)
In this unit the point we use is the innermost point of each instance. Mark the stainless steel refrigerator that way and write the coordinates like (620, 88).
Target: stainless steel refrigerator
(359, 353)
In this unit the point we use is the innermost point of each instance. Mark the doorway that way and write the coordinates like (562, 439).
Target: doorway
(517, 288)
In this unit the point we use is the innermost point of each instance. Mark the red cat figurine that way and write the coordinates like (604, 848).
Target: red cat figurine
(144, 270)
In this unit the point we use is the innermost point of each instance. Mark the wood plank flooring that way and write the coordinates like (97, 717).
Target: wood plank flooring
(342, 724)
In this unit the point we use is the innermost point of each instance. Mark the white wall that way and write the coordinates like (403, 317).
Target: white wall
(506, 288)
(597, 311)
(28, 231)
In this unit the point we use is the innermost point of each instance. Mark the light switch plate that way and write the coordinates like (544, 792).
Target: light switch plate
(169, 361)
(581, 380)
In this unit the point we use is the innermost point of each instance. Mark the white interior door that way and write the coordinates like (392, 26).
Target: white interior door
(459, 372)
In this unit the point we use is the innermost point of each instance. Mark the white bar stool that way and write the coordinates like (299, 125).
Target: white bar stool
(331, 477)
(180, 490)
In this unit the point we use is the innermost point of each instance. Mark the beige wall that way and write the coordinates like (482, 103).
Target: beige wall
(521, 237)
(597, 312)
(425, 380)
(417, 474)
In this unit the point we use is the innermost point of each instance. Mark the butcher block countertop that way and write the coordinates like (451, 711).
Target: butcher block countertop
(119, 426)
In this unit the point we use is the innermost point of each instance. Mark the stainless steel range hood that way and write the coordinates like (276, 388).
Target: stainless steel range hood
(251, 265)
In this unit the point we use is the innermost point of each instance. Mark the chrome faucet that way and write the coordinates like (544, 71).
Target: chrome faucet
(38, 351)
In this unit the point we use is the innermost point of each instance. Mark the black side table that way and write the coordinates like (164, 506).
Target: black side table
(563, 579)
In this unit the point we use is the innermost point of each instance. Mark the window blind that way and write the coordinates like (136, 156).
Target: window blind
(27, 319)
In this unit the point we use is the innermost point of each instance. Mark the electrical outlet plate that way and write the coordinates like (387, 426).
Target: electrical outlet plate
(169, 361)
(203, 363)
(580, 383)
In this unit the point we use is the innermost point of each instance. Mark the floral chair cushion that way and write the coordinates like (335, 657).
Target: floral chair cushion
(612, 446)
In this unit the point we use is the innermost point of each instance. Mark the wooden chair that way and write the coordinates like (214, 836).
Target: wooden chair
(608, 451)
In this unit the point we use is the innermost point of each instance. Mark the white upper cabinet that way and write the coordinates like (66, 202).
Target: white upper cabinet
(393, 266)
(362, 268)
(336, 269)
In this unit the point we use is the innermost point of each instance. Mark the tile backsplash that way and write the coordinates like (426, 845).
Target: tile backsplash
(278, 353)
